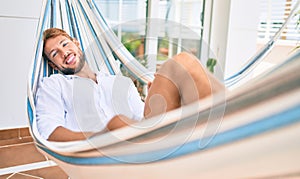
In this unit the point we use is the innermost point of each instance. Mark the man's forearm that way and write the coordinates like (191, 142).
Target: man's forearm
(61, 134)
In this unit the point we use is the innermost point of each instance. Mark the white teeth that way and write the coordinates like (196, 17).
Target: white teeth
(70, 59)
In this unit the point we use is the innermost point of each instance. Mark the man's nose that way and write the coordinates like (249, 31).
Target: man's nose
(65, 53)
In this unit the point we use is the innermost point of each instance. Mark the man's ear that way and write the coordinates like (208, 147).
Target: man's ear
(76, 42)
(52, 65)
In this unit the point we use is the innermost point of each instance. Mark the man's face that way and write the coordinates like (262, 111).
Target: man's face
(65, 54)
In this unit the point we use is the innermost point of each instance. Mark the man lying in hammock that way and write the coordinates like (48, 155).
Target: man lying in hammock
(78, 102)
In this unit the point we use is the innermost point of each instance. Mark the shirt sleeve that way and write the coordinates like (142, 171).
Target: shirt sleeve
(49, 107)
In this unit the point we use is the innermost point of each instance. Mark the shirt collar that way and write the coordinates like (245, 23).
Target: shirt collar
(98, 75)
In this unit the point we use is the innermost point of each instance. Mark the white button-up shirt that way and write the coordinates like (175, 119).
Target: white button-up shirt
(80, 104)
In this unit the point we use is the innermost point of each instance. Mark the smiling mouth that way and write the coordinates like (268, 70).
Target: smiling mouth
(70, 59)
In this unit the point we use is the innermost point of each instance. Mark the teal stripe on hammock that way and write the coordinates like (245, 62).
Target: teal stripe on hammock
(98, 11)
(69, 18)
(29, 112)
(109, 66)
(39, 42)
(273, 122)
(53, 13)
(77, 28)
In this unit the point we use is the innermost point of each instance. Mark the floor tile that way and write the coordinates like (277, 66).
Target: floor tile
(19, 154)
(9, 134)
(17, 148)
(24, 132)
(19, 176)
(14, 133)
(49, 173)
(15, 141)
(45, 173)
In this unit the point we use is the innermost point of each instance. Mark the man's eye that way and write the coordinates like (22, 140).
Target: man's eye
(65, 44)
(54, 54)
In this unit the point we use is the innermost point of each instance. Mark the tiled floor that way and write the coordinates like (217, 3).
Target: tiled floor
(19, 158)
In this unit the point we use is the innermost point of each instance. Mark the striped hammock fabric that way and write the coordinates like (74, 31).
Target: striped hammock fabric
(250, 131)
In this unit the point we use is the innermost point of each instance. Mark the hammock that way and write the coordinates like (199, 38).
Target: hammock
(260, 122)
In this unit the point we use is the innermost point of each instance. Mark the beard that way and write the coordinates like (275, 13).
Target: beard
(72, 71)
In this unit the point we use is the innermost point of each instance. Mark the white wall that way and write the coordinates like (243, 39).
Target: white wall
(219, 33)
(242, 34)
(233, 33)
(18, 22)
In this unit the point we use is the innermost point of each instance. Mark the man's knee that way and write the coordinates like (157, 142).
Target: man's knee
(188, 61)
(185, 56)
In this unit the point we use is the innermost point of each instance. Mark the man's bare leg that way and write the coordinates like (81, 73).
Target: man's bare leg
(180, 81)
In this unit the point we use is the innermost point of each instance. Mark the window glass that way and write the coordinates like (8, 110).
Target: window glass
(182, 32)
(273, 15)
(184, 27)
(127, 18)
